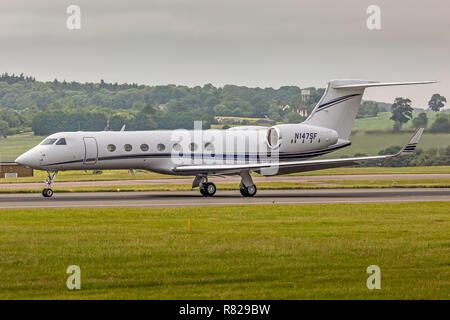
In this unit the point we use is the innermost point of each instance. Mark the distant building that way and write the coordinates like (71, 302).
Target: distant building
(303, 112)
(306, 94)
(14, 170)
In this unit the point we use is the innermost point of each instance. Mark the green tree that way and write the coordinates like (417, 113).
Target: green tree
(436, 102)
(368, 109)
(401, 112)
(421, 120)
(3, 128)
(441, 124)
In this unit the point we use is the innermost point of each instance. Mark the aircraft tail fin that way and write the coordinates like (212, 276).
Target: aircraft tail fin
(339, 104)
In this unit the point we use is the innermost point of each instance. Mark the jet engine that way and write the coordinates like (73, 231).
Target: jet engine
(294, 138)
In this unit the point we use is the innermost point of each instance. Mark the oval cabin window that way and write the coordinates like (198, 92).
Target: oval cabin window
(193, 146)
(176, 147)
(128, 147)
(111, 148)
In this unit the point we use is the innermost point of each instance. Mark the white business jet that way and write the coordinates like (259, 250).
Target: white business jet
(280, 149)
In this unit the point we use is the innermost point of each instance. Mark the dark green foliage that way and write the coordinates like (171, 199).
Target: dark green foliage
(3, 128)
(49, 107)
(421, 120)
(441, 124)
(430, 157)
(401, 112)
(436, 102)
(368, 109)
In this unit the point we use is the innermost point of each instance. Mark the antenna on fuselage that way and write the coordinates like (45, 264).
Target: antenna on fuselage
(123, 128)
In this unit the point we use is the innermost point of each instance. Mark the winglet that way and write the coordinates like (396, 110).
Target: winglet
(409, 148)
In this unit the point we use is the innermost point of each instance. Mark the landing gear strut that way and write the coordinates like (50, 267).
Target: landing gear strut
(48, 192)
(207, 189)
(247, 187)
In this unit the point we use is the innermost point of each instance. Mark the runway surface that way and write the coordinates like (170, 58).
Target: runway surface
(228, 179)
(193, 198)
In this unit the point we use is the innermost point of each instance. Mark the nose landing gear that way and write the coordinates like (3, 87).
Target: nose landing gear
(48, 192)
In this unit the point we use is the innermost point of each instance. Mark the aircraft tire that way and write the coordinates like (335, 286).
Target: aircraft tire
(208, 189)
(249, 191)
(47, 192)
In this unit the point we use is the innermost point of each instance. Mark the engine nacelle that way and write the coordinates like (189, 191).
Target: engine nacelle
(293, 138)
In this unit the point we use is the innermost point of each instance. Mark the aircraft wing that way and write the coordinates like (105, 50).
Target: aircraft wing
(296, 166)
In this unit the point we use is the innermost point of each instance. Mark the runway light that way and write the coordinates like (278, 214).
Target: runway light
(118, 190)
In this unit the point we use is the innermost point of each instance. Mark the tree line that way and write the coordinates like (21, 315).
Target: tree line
(402, 112)
(48, 107)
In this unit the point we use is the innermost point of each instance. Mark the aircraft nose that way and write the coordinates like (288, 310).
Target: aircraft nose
(28, 159)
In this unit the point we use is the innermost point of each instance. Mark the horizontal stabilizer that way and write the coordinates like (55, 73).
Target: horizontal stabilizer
(370, 84)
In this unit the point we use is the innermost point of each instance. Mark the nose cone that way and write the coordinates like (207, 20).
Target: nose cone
(28, 159)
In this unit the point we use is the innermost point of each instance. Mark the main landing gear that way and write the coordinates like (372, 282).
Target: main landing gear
(48, 192)
(249, 191)
(247, 187)
(208, 189)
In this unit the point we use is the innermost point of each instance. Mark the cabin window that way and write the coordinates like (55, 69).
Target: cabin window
(209, 146)
(128, 147)
(61, 142)
(161, 147)
(48, 142)
(144, 147)
(176, 147)
(111, 148)
(193, 146)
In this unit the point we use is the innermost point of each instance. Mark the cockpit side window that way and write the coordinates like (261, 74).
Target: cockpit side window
(48, 142)
(61, 142)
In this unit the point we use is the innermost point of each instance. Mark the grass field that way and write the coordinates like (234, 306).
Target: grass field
(109, 175)
(310, 184)
(13, 146)
(372, 143)
(246, 252)
(383, 123)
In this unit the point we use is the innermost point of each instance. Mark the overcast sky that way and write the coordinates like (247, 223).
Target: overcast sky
(256, 43)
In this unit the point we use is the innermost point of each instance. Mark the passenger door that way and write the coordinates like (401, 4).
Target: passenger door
(90, 150)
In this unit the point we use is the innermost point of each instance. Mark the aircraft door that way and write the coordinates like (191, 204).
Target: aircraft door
(90, 150)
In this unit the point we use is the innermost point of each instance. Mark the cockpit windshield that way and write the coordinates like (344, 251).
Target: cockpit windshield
(48, 142)
(61, 142)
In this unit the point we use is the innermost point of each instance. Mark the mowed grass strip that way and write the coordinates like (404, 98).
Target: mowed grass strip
(319, 184)
(111, 175)
(244, 252)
